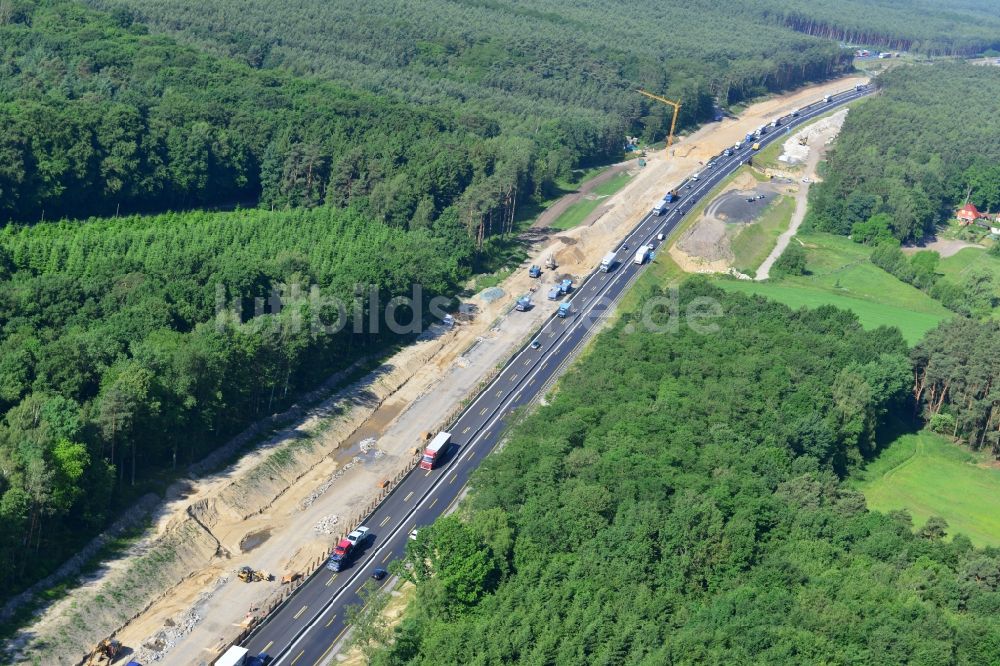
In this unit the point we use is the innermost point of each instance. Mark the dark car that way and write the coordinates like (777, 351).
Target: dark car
(535, 344)
(263, 659)
(379, 573)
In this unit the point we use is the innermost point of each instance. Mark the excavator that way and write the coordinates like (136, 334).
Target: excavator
(251, 575)
(105, 653)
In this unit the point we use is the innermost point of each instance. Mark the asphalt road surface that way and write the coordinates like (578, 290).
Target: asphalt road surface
(306, 629)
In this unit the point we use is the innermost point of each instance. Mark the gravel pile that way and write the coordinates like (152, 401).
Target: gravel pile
(158, 646)
(326, 524)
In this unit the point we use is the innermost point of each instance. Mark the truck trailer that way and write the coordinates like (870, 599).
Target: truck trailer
(435, 450)
(234, 656)
(608, 262)
(642, 254)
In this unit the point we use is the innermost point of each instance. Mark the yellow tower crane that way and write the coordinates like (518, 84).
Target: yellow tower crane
(673, 123)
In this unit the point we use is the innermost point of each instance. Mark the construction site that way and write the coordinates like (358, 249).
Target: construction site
(223, 548)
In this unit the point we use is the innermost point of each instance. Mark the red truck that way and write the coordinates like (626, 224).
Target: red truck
(435, 450)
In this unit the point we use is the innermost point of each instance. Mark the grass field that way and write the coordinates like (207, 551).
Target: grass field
(755, 241)
(579, 211)
(841, 275)
(959, 265)
(929, 476)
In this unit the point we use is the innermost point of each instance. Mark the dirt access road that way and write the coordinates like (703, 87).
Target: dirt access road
(818, 136)
(174, 597)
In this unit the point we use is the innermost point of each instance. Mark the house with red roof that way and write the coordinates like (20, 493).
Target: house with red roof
(968, 214)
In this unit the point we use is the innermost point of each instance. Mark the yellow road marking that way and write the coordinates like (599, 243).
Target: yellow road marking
(298, 656)
(482, 412)
(407, 498)
(453, 477)
(269, 644)
(513, 378)
(499, 393)
(487, 433)
(467, 429)
(301, 611)
(327, 624)
(334, 576)
(386, 558)
(434, 502)
(387, 518)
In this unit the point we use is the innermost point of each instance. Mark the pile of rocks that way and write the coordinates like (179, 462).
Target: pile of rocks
(326, 524)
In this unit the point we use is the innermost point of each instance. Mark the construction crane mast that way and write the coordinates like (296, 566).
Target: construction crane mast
(677, 108)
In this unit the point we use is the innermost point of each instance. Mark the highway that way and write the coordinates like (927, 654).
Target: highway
(306, 629)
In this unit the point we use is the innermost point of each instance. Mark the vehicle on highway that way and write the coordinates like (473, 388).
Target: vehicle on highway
(240, 656)
(608, 262)
(413, 534)
(661, 236)
(660, 208)
(642, 254)
(359, 535)
(535, 344)
(671, 196)
(435, 451)
(755, 146)
(828, 99)
(379, 573)
(738, 145)
(695, 176)
(727, 152)
(563, 310)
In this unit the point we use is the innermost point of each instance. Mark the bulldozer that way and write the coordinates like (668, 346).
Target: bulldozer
(803, 140)
(105, 653)
(251, 575)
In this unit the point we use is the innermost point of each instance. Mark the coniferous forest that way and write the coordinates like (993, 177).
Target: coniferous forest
(153, 153)
(908, 158)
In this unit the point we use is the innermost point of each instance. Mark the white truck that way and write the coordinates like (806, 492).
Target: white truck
(234, 656)
(608, 262)
(642, 254)
(660, 208)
